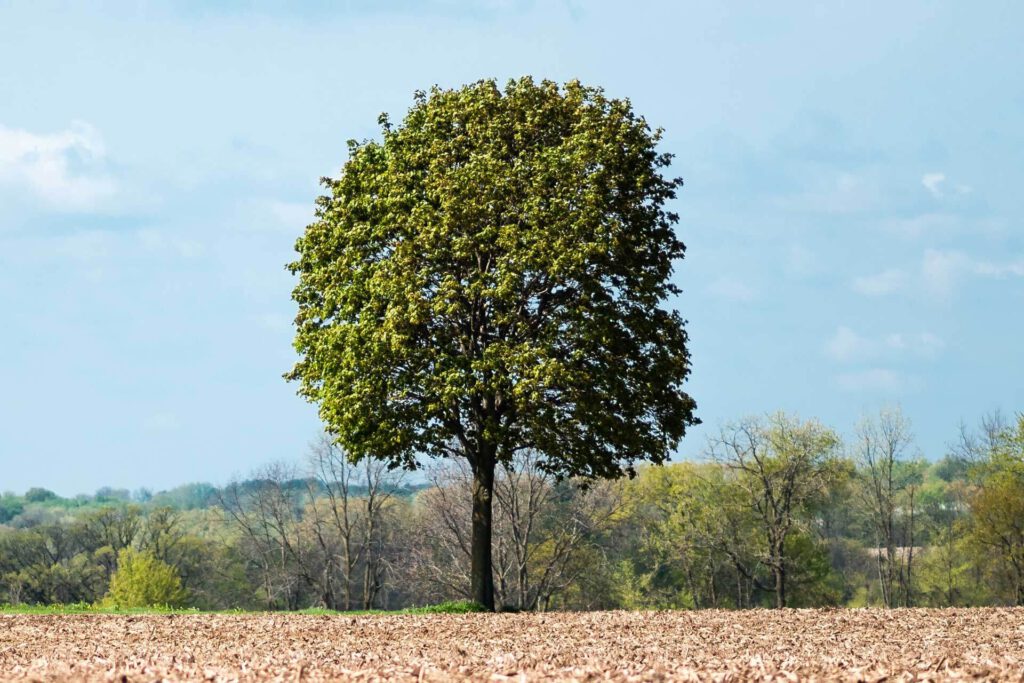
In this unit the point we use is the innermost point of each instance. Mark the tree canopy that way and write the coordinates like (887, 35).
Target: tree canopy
(491, 277)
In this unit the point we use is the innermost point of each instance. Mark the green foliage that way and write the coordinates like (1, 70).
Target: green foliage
(10, 507)
(951, 468)
(39, 495)
(812, 580)
(944, 574)
(998, 506)
(491, 275)
(88, 608)
(142, 580)
(779, 469)
(187, 497)
(677, 536)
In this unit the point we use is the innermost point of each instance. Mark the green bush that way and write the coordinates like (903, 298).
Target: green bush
(143, 580)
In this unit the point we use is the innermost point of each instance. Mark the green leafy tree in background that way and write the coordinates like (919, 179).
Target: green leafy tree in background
(491, 278)
(143, 580)
(998, 505)
(780, 467)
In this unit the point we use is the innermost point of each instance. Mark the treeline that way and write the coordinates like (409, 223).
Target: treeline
(778, 512)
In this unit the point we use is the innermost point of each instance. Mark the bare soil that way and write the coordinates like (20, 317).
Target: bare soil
(851, 645)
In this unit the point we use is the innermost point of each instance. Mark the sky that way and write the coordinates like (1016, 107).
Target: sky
(853, 207)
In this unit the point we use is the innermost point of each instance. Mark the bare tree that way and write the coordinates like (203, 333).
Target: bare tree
(975, 446)
(889, 485)
(268, 512)
(439, 557)
(540, 526)
(348, 505)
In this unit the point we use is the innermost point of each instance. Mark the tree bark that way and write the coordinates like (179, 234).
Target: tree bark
(481, 574)
(780, 575)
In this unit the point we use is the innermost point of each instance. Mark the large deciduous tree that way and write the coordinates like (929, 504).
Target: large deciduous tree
(491, 277)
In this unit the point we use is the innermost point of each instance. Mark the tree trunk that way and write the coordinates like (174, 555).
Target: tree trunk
(780, 575)
(909, 590)
(714, 591)
(481, 574)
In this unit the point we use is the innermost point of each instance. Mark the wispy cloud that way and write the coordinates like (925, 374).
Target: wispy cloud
(942, 270)
(938, 274)
(63, 169)
(940, 186)
(846, 345)
(933, 182)
(929, 224)
(923, 344)
(885, 282)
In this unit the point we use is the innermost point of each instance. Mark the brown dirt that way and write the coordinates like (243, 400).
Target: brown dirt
(948, 644)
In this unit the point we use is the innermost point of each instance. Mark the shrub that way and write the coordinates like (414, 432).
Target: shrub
(143, 580)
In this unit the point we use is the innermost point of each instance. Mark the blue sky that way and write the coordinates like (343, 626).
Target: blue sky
(853, 206)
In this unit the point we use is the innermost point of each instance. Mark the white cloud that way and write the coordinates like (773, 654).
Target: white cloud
(885, 282)
(876, 380)
(938, 274)
(847, 346)
(923, 344)
(933, 182)
(732, 289)
(942, 270)
(63, 169)
(940, 187)
(927, 224)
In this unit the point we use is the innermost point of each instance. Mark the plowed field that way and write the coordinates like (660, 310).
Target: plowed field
(622, 646)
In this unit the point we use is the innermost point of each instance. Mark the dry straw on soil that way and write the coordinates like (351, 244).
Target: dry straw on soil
(947, 644)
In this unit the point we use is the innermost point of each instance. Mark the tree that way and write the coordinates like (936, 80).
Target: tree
(998, 504)
(348, 523)
(10, 507)
(39, 495)
(542, 529)
(780, 466)
(491, 278)
(675, 527)
(267, 510)
(890, 482)
(143, 580)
